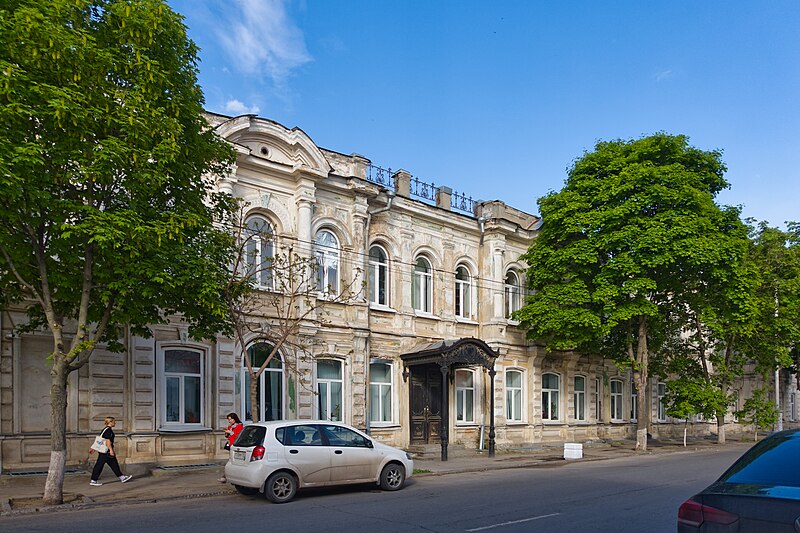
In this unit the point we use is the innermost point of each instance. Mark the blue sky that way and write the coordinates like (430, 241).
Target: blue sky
(497, 98)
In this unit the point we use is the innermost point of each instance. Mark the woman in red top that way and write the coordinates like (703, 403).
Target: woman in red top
(235, 427)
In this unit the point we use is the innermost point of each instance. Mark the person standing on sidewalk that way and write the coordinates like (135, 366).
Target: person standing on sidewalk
(235, 427)
(109, 458)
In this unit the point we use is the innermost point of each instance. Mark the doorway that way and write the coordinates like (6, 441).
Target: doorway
(426, 404)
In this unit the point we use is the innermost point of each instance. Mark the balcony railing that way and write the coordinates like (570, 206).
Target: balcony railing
(421, 189)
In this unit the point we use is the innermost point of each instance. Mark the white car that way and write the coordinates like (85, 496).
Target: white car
(279, 457)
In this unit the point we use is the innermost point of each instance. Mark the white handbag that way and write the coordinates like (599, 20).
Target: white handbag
(99, 444)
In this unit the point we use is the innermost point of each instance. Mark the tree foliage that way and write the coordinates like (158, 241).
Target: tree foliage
(106, 168)
(634, 225)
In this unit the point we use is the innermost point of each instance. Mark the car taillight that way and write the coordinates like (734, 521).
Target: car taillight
(258, 453)
(693, 514)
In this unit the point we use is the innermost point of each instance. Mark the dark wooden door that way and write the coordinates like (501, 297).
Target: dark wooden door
(426, 404)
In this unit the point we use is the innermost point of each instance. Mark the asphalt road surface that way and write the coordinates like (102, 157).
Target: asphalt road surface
(628, 494)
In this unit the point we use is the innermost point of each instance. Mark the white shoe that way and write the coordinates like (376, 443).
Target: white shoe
(123, 479)
(94, 483)
(222, 480)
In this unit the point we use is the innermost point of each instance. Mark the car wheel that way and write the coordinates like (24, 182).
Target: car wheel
(280, 487)
(245, 490)
(393, 476)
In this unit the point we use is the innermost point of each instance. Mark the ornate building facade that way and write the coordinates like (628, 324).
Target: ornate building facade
(426, 351)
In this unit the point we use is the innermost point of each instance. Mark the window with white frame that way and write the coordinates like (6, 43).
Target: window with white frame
(662, 408)
(792, 414)
(259, 251)
(326, 250)
(513, 293)
(463, 292)
(550, 396)
(378, 276)
(465, 396)
(182, 387)
(514, 395)
(633, 401)
(422, 286)
(616, 400)
(380, 392)
(329, 389)
(269, 389)
(579, 397)
(598, 400)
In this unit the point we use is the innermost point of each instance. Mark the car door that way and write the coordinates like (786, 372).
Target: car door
(311, 459)
(353, 458)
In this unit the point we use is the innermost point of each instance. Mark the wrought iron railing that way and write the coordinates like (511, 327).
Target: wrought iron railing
(381, 176)
(421, 189)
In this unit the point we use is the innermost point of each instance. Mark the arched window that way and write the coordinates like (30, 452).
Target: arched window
(580, 398)
(259, 250)
(378, 276)
(463, 292)
(514, 395)
(616, 400)
(329, 389)
(465, 396)
(422, 286)
(326, 250)
(513, 293)
(269, 393)
(550, 396)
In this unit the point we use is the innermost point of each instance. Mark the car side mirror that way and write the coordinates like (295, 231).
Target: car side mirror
(369, 444)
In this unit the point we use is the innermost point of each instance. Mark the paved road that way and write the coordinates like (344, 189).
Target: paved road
(626, 494)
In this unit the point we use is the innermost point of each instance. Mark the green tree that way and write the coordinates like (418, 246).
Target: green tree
(759, 411)
(635, 221)
(748, 317)
(106, 172)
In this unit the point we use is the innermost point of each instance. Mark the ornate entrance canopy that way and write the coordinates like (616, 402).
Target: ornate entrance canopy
(450, 354)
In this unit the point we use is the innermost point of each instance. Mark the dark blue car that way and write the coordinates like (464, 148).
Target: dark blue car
(760, 492)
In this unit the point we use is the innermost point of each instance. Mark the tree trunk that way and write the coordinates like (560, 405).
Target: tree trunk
(254, 407)
(640, 377)
(54, 486)
(721, 427)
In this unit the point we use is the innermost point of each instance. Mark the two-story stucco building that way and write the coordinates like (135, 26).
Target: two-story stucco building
(425, 352)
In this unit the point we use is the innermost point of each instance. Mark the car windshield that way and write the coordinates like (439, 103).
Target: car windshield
(251, 436)
(773, 461)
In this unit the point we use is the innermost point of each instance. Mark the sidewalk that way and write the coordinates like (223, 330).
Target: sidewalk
(21, 494)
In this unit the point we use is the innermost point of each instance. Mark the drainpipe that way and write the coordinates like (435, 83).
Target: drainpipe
(482, 224)
(390, 198)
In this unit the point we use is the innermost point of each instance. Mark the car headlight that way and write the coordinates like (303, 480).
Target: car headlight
(408, 456)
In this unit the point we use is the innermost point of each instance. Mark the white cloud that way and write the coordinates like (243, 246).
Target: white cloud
(663, 75)
(235, 107)
(261, 39)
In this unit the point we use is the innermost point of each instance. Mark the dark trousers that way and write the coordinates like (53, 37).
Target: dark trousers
(102, 460)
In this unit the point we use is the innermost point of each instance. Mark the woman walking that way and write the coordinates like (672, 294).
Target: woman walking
(235, 427)
(109, 458)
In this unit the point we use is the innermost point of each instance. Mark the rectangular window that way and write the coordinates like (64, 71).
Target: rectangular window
(183, 390)
(792, 413)
(329, 389)
(380, 392)
(598, 400)
(580, 398)
(514, 396)
(550, 394)
(662, 410)
(465, 396)
(633, 401)
(616, 400)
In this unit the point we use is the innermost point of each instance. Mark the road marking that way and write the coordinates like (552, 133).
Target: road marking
(514, 522)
